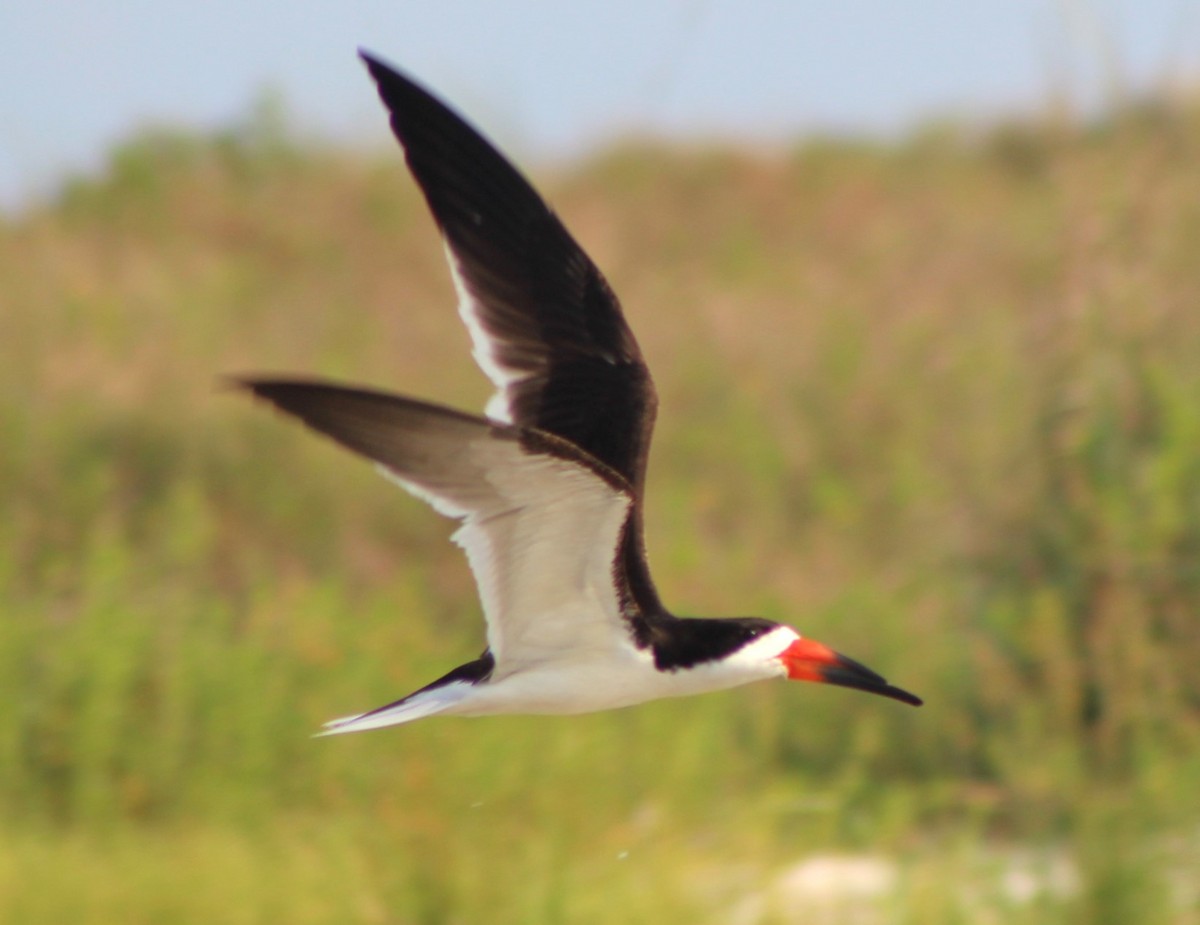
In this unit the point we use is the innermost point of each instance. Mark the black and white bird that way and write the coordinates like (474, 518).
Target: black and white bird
(548, 485)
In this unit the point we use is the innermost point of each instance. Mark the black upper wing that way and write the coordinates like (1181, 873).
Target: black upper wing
(547, 328)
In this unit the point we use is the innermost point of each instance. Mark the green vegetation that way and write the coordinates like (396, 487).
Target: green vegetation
(937, 404)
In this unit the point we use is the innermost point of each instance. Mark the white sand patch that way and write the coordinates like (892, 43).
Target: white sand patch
(844, 888)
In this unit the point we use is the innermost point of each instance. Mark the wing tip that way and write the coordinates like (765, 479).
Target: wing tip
(274, 387)
(229, 382)
(270, 389)
(390, 80)
(372, 61)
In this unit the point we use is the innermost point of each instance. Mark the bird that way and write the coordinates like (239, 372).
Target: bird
(548, 484)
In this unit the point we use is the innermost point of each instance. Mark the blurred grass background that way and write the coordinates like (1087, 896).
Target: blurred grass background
(935, 402)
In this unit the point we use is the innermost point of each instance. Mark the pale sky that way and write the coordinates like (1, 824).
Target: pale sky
(550, 79)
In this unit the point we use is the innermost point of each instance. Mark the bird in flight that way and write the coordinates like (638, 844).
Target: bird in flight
(548, 485)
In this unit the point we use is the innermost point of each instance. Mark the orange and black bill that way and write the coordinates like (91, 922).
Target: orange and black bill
(807, 660)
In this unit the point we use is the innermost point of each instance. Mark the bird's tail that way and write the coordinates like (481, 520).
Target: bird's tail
(423, 703)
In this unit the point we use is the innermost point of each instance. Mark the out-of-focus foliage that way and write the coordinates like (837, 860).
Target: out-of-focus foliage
(936, 403)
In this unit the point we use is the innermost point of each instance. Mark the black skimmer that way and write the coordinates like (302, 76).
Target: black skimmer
(548, 486)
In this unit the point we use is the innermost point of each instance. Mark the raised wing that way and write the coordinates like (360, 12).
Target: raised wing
(540, 523)
(546, 328)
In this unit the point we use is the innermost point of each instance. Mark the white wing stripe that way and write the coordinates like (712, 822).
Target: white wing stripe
(440, 503)
(482, 343)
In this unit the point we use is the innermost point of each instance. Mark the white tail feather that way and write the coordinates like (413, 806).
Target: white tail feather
(425, 703)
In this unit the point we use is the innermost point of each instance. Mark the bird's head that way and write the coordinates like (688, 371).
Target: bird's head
(808, 660)
(743, 649)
